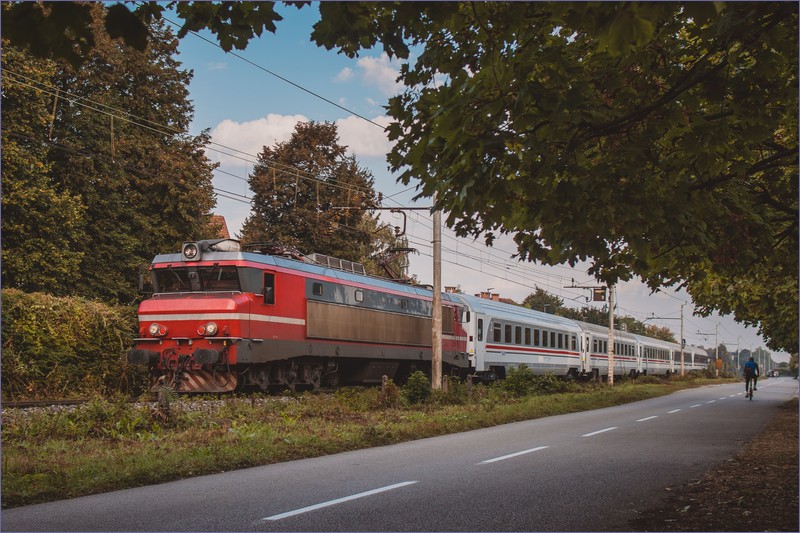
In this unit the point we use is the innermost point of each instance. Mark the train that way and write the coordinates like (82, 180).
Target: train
(225, 316)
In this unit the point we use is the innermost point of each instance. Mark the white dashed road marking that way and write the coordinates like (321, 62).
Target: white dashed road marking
(338, 501)
(598, 432)
(509, 456)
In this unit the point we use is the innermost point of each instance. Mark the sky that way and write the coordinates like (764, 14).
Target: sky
(253, 98)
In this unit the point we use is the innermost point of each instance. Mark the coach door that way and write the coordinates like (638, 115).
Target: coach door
(586, 353)
(476, 341)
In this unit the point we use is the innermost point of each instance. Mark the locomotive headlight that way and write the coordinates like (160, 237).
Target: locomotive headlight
(157, 330)
(207, 329)
(190, 251)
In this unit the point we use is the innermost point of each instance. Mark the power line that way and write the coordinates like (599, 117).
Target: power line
(286, 80)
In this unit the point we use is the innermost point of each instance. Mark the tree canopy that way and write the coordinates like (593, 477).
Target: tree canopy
(99, 172)
(656, 139)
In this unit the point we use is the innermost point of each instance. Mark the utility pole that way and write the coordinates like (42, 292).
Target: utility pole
(683, 371)
(611, 335)
(599, 294)
(683, 343)
(716, 348)
(436, 334)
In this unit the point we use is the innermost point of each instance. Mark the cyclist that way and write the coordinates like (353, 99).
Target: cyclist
(750, 372)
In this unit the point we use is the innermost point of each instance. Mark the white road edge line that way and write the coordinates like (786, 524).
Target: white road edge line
(598, 432)
(648, 418)
(695, 405)
(711, 401)
(509, 456)
(673, 411)
(338, 501)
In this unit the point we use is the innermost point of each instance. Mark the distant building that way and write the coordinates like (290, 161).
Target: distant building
(495, 297)
(223, 232)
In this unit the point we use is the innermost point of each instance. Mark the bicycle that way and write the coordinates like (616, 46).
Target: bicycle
(749, 393)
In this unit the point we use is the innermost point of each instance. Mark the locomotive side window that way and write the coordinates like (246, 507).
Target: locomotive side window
(316, 289)
(359, 295)
(269, 288)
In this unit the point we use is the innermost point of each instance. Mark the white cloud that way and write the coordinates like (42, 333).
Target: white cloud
(381, 72)
(363, 138)
(250, 137)
(344, 75)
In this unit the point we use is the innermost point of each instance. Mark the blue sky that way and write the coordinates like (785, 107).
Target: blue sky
(246, 107)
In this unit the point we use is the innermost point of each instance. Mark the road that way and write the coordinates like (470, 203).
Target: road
(587, 471)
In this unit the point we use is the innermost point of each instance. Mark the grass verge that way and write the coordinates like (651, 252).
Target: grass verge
(110, 444)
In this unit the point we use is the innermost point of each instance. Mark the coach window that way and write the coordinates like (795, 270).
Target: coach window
(316, 289)
(536, 337)
(560, 340)
(497, 332)
(480, 329)
(527, 336)
(518, 335)
(544, 338)
(508, 334)
(269, 289)
(552, 339)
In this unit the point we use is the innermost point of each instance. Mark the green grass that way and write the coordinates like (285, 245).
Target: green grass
(110, 444)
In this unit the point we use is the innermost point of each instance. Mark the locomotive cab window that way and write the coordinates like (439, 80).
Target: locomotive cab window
(269, 289)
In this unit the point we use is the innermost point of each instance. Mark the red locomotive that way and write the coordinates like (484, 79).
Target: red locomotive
(224, 319)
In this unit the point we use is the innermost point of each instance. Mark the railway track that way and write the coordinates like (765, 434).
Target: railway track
(47, 403)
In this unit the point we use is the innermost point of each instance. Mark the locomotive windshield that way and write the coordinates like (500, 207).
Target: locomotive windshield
(188, 279)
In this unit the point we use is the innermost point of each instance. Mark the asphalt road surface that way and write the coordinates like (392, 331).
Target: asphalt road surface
(588, 471)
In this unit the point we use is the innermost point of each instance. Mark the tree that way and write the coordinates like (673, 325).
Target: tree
(657, 139)
(40, 223)
(300, 188)
(659, 332)
(540, 298)
(119, 146)
(65, 30)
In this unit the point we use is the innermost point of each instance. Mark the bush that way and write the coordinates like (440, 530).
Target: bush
(60, 347)
(520, 381)
(417, 389)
